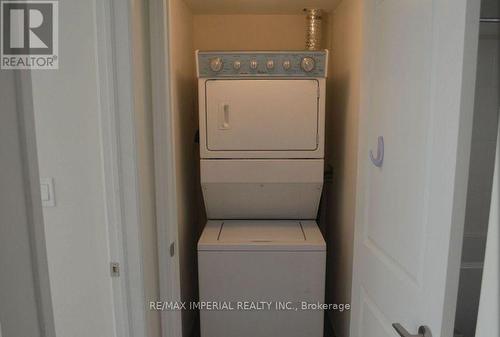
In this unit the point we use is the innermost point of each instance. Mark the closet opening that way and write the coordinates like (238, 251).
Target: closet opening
(262, 26)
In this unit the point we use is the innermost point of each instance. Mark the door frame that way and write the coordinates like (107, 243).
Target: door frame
(461, 21)
(119, 153)
(34, 212)
(114, 28)
(165, 180)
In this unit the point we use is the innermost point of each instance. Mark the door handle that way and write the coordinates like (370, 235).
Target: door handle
(224, 117)
(423, 331)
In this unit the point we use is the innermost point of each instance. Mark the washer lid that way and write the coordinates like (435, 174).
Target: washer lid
(261, 231)
(292, 235)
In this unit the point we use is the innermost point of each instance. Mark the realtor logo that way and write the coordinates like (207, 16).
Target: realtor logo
(29, 34)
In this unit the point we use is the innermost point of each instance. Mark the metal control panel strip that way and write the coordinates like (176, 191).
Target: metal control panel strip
(213, 64)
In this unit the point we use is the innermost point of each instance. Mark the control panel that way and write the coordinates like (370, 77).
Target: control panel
(262, 64)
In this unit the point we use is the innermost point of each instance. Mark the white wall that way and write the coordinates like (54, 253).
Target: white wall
(18, 300)
(483, 146)
(67, 117)
(342, 138)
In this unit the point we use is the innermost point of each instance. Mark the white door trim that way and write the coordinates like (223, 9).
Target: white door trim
(116, 89)
(166, 207)
(467, 89)
(34, 214)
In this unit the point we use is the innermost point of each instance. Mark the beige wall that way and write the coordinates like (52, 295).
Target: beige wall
(249, 32)
(145, 160)
(342, 136)
(185, 124)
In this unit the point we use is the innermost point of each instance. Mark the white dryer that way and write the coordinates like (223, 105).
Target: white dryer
(262, 133)
(262, 126)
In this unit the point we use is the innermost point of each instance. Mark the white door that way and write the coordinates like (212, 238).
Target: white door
(262, 115)
(417, 93)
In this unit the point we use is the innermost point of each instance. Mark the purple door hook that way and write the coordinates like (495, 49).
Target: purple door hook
(379, 159)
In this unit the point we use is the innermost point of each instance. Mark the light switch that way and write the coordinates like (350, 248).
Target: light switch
(47, 192)
(44, 189)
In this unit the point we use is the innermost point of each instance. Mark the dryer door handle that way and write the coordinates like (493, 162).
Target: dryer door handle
(223, 118)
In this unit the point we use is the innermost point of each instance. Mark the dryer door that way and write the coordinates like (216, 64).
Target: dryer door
(262, 115)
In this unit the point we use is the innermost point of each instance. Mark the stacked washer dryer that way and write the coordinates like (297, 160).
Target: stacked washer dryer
(262, 126)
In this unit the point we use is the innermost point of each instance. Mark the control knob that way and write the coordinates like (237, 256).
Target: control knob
(216, 64)
(270, 64)
(307, 64)
(287, 64)
(253, 64)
